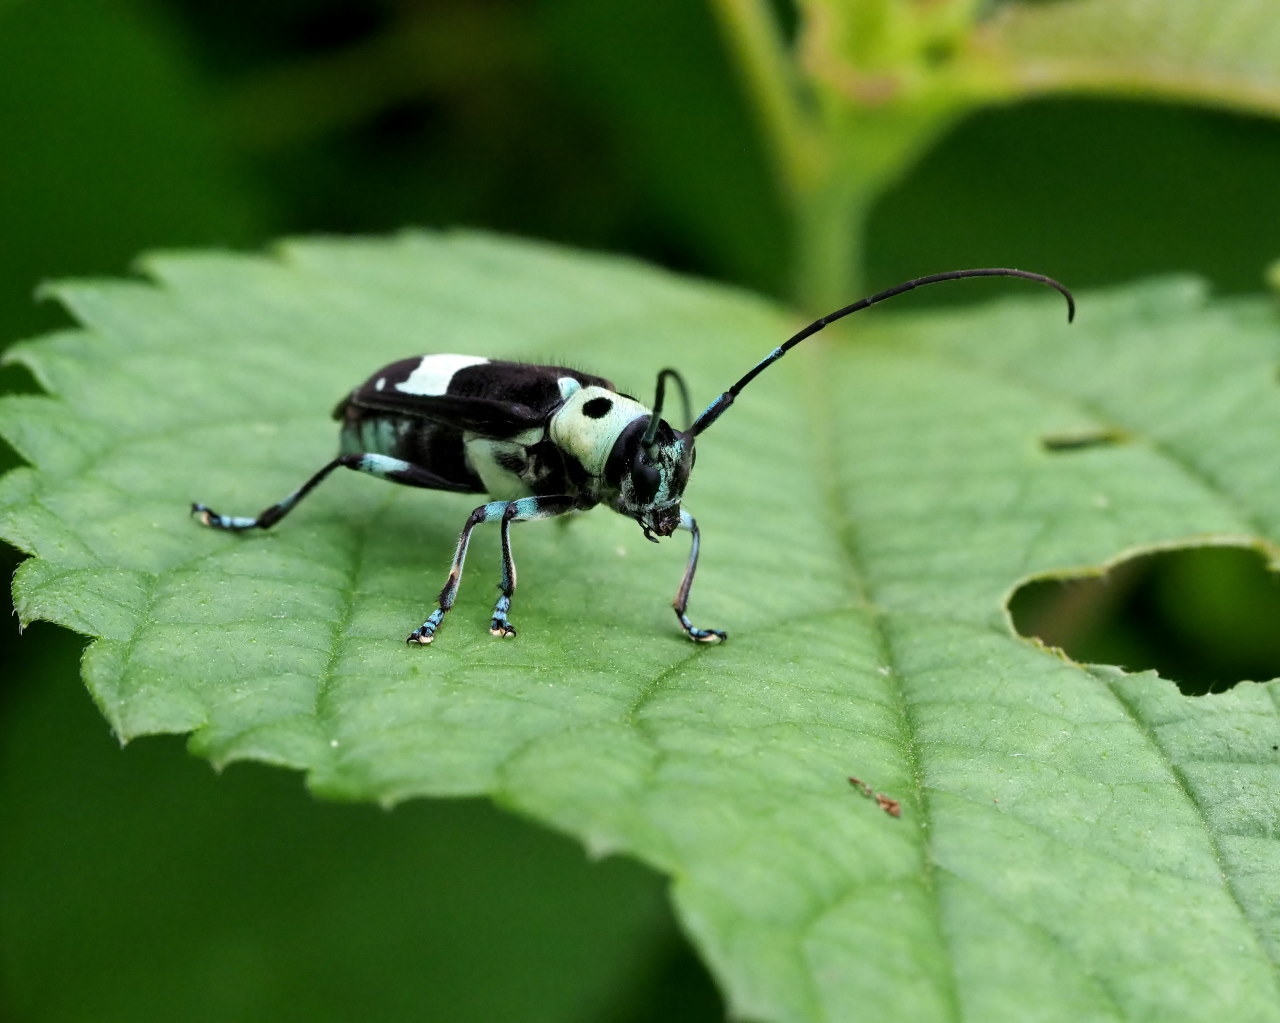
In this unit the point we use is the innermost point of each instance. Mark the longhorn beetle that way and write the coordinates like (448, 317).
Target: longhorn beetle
(540, 441)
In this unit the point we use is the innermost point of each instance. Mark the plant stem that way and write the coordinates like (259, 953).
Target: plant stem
(770, 79)
(832, 155)
(829, 227)
(827, 214)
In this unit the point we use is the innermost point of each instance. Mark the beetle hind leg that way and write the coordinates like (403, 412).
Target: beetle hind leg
(268, 517)
(382, 466)
(234, 523)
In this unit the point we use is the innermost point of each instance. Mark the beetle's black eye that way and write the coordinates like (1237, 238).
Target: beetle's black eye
(645, 479)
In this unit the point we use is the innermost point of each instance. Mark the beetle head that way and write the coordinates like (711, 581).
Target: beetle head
(648, 480)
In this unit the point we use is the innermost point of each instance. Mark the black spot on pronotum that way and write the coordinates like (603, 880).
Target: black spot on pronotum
(1077, 441)
(1204, 617)
(597, 408)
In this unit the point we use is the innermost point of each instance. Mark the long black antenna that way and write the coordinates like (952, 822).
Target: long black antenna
(658, 399)
(717, 408)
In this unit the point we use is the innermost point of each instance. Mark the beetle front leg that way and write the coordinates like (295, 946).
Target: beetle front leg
(681, 603)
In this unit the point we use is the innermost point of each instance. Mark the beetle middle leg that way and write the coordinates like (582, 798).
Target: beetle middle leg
(523, 509)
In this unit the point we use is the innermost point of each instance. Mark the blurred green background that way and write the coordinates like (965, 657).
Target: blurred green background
(136, 885)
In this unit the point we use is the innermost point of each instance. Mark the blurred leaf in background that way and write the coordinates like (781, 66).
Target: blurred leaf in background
(107, 149)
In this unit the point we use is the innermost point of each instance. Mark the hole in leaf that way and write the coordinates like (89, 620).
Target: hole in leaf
(1055, 442)
(1204, 617)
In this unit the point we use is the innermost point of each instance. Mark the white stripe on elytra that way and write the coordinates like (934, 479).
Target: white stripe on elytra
(432, 375)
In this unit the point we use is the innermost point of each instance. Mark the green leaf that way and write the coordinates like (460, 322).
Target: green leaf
(1075, 842)
(1224, 52)
(876, 54)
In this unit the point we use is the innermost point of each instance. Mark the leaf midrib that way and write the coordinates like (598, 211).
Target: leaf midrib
(821, 407)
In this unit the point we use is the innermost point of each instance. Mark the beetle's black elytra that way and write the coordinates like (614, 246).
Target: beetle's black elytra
(541, 441)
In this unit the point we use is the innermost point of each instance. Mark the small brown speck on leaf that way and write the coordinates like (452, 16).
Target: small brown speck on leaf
(890, 806)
